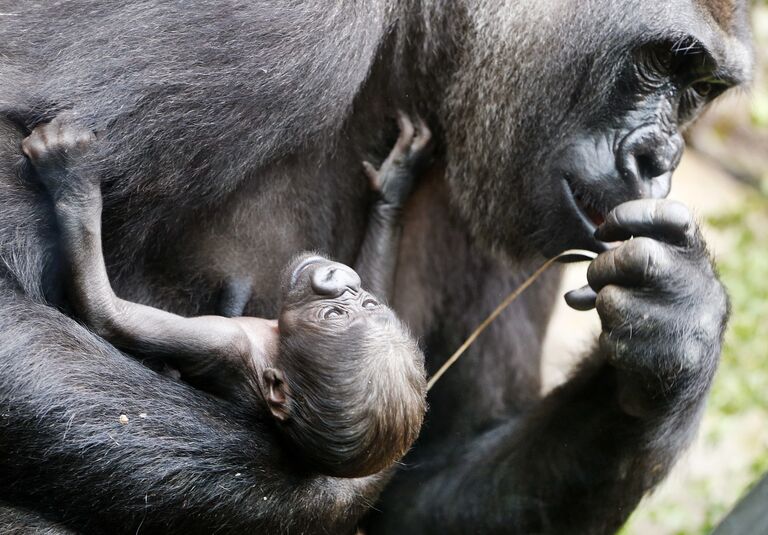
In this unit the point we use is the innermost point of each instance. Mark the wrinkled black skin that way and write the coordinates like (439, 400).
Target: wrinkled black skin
(253, 119)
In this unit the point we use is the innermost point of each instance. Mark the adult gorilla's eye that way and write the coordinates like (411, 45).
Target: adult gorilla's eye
(370, 303)
(710, 89)
(332, 313)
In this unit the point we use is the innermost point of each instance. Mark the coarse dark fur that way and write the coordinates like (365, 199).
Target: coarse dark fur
(231, 135)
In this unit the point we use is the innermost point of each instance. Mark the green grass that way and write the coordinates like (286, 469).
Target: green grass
(742, 381)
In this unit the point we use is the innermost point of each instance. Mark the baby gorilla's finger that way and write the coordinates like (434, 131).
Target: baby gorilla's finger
(640, 261)
(662, 219)
(581, 299)
(373, 176)
(423, 135)
(406, 132)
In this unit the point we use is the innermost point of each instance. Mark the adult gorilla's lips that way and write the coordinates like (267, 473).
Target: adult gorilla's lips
(590, 211)
(591, 215)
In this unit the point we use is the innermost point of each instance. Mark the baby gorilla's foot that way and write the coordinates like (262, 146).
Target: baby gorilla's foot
(395, 178)
(52, 148)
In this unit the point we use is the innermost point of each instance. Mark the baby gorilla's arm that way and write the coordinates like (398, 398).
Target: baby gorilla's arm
(393, 183)
(210, 351)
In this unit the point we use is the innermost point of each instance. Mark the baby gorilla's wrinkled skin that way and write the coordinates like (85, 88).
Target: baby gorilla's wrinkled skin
(338, 371)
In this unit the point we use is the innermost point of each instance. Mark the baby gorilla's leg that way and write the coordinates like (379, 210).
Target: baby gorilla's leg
(393, 182)
(410, 156)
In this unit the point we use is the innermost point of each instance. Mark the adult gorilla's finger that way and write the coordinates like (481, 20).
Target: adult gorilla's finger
(637, 262)
(581, 299)
(661, 219)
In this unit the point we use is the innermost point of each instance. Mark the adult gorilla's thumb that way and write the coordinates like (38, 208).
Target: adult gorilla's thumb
(581, 299)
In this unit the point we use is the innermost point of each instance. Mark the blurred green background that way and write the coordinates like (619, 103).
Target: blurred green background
(731, 452)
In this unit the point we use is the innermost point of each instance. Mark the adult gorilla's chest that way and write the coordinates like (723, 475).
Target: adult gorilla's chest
(290, 207)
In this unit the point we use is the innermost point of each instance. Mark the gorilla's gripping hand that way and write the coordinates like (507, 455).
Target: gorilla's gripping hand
(662, 308)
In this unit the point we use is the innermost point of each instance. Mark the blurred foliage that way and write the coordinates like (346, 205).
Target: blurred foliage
(743, 378)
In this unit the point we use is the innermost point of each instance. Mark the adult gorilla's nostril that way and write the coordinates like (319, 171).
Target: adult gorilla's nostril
(334, 279)
(647, 157)
(650, 165)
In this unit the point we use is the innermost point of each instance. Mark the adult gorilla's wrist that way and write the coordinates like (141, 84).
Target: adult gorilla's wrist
(646, 396)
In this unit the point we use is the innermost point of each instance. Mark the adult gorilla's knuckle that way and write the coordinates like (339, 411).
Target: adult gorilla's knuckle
(610, 301)
(691, 353)
(612, 218)
(616, 346)
(674, 214)
(645, 257)
(594, 269)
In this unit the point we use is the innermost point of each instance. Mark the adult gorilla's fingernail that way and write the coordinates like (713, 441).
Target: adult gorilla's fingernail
(581, 299)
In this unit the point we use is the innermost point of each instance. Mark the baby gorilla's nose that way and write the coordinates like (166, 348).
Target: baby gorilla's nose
(334, 279)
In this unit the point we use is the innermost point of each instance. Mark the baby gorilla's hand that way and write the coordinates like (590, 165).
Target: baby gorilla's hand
(395, 179)
(52, 148)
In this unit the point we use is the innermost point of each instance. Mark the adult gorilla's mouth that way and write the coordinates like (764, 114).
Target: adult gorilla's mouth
(582, 203)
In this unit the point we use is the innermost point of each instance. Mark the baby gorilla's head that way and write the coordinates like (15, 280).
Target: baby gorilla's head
(349, 383)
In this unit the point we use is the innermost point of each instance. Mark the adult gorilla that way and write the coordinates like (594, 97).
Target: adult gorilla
(231, 135)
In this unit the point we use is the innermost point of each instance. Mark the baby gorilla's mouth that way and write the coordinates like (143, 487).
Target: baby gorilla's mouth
(588, 211)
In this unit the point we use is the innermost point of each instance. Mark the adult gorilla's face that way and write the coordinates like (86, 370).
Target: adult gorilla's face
(595, 99)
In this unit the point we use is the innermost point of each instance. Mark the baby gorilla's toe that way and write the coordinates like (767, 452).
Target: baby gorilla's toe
(421, 146)
(410, 156)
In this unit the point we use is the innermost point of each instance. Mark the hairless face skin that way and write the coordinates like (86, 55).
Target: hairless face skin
(338, 371)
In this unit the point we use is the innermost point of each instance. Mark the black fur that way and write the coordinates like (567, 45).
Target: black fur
(230, 136)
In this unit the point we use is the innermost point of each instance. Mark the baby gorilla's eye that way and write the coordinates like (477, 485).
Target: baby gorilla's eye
(332, 313)
(370, 303)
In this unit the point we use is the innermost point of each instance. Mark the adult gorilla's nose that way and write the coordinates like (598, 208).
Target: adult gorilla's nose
(647, 157)
(334, 279)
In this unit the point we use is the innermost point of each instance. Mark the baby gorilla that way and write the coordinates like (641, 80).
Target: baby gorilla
(338, 371)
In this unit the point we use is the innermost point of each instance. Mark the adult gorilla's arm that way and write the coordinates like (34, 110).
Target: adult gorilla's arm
(189, 461)
(579, 461)
(183, 459)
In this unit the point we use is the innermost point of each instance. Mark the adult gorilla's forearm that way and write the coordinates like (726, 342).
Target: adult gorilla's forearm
(580, 460)
(190, 461)
(575, 464)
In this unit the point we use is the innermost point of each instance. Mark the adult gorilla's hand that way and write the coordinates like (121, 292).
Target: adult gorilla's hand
(662, 308)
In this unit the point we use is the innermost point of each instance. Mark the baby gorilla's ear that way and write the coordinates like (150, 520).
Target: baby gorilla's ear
(277, 398)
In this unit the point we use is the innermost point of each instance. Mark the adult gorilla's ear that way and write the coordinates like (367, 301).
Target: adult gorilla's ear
(276, 393)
